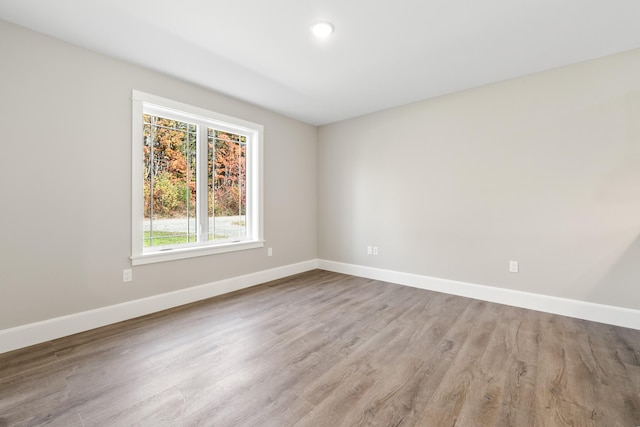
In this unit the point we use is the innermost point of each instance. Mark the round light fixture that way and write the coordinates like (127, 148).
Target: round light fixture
(322, 29)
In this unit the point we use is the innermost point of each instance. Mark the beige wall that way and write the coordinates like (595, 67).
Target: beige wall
(65, 181)
(544, 170)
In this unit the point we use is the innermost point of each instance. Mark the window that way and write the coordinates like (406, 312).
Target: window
(196, 181)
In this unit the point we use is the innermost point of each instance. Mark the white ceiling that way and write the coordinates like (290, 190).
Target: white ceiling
(383, 53)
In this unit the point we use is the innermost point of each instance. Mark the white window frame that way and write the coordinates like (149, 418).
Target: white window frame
(254, 212)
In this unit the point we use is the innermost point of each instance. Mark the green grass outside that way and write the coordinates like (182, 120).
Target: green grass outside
(166, 238)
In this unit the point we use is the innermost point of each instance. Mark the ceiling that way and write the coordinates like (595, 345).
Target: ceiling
(383, 53)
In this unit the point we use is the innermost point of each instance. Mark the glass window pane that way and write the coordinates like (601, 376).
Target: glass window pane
(169, 181)
(227, 185)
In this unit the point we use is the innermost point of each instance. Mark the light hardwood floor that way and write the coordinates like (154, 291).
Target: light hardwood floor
(325, 349)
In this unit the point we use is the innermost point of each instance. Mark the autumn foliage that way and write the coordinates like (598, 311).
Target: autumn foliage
(170, 148)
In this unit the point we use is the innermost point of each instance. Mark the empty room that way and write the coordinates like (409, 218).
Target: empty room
(338, 213)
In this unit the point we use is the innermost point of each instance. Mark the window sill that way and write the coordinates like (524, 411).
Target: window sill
(176, 254)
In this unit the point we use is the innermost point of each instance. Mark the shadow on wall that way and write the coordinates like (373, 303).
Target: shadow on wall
(621, 186)
(619, 284)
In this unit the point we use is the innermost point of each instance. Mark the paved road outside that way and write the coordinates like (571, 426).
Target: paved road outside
(230, 226)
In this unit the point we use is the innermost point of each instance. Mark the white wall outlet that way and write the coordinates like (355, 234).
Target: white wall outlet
(269, 251)
(513, 266)
(127, 275)
(369, 250)
(375, 250)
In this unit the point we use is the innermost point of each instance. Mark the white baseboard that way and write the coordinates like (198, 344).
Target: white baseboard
(38, 332)
(608, 314)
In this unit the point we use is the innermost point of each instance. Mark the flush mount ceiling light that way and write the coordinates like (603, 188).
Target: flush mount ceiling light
(322, 29)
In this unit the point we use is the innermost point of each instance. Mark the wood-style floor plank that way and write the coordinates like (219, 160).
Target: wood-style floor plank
(522, 338)
(325, 349)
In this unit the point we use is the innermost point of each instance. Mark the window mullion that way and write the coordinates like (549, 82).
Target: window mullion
(202, 195)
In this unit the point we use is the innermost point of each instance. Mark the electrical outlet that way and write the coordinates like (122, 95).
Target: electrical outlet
(513, 266)
(269, 251)
(375, 250)
(127, 275)
(369, 250)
